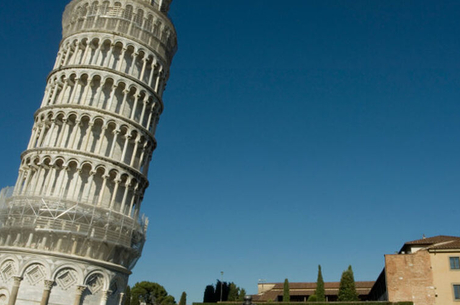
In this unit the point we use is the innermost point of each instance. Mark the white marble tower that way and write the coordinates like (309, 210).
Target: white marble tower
(70, 229)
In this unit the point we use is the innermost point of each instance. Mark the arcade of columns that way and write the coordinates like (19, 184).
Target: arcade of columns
(70, 231)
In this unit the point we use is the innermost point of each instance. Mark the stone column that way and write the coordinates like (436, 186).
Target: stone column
(121, 59)
(133, 64)
(136, 146)
(78, 293)
(122, 296)
(46, 292)
(159, 76)
(152, 71)
(112, 96)
(105, 296)
(133, 111)
(114, 142)
(127, 138)
(144, 65)
(144, 107)
(123, 103)
(15, 290)
(115, 191)
(64, 131)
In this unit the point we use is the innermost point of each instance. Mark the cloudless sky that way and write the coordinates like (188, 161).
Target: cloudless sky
(295, 133)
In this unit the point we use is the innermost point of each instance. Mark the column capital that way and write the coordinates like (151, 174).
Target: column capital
(81, 288)
(49, 284)
(17, 279)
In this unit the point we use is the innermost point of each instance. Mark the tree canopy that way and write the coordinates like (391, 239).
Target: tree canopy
(209, 294)
(347, 288)
(230, 292)
(320, 291)
(183, 299)
(151, 293)
(127, 296)
(286, 292)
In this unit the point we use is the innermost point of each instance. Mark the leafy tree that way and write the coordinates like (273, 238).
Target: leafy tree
(320, 292)
(286, 293)
(221, 287)
(232, 292)
(151, 294)
(241, 295)
(347, 288)
(183, 299)
(127, 296)
(312, 298)
(209, 294)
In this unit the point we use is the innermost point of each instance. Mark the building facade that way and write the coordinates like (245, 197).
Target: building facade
(300, 292)
(425, 271)
(71, 229)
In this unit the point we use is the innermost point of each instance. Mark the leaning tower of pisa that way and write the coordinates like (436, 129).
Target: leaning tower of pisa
(71, 229)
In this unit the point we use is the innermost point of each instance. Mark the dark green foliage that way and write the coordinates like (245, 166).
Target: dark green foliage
(224, 286)
(209, 294)
(183, 299)
(286, 293)
(151, 294)
(347, 289)
(320, 292)
(232, 292)
(241, 295)
(312, 298)
(319, 303)
(127, 296)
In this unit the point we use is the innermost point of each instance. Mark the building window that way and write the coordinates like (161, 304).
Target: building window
(457, 292)
(454, 263)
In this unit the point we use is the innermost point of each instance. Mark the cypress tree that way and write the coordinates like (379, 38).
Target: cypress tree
(320, 291)
(286, 293)
(183, 299)
(127, 296)
(209, 294)
(347, 289)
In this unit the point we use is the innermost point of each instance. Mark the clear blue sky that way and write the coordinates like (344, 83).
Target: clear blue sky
(294, 134)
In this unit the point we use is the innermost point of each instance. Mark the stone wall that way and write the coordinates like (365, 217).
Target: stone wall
(410, 278)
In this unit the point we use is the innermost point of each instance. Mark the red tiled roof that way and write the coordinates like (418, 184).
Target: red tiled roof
(454, 244)
(331, 285)
(300, 289)
(433, 240)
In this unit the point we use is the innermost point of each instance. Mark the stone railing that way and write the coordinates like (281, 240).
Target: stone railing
(155, 32)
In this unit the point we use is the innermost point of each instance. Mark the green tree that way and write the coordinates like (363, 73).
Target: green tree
(151, 294)
(241, 295)
(209, 294)
(232, 293)
(221, 288)
(312, 298)
(127, 296)
(286, 293)
(183, 299)
(347, 288)
(320, 291)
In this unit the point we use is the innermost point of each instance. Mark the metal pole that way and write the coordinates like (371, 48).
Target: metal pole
(221, 284)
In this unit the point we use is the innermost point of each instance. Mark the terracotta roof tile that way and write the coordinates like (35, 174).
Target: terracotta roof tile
(455, 244)
(432, 240)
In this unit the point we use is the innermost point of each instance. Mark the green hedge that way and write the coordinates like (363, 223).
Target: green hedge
(313, 303)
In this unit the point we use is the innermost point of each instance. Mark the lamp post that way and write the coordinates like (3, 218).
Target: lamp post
(221, 284)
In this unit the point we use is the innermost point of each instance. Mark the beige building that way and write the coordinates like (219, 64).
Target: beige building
(299, 292)
(425, 271)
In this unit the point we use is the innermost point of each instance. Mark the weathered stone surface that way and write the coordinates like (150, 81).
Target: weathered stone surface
(71, 231)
